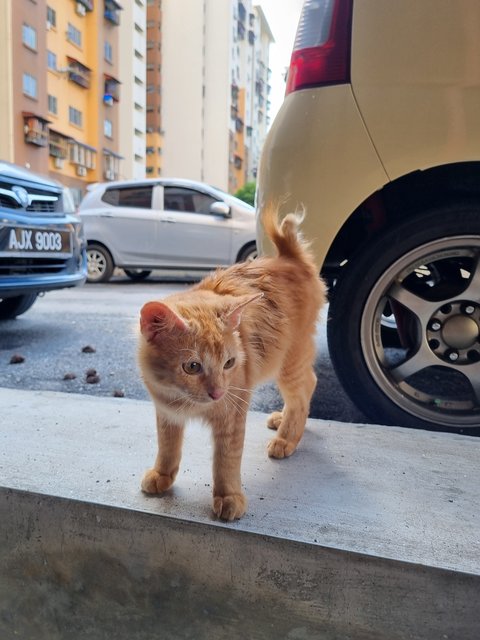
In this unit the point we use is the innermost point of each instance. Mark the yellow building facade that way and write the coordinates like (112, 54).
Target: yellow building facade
(60, 89)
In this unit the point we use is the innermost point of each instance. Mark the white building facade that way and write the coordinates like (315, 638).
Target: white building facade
(132, 65)
(212, 51)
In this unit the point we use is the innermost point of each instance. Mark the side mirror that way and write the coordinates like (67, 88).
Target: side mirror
(220, 209)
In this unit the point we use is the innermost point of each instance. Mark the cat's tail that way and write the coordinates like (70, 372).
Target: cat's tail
(285, 235)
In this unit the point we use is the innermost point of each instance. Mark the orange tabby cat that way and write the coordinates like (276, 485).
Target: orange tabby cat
(203, 351)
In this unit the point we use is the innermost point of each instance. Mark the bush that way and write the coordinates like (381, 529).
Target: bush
(247, 193)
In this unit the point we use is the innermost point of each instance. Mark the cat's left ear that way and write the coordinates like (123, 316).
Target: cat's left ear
(234, 314)
(156, 318)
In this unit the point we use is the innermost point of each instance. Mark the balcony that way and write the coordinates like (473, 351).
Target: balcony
(35, 129)
(79, 73)
(242, 12)
(58, 145)
(111, 92)
(112, 12)
(88, 4)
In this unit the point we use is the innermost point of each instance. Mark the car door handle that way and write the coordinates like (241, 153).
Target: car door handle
(106, 215)
(169, 220)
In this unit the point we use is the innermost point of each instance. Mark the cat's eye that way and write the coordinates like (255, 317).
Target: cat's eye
(229, 363)
(192, 368)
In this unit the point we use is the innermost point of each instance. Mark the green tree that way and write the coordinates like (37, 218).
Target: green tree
(247, 193)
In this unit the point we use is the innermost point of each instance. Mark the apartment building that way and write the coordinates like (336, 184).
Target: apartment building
(132, 107)
(214, 89)
(60, 88)
(154, 89)
(91, 90)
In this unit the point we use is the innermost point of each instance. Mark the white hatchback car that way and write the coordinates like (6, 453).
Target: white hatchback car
(142, 225)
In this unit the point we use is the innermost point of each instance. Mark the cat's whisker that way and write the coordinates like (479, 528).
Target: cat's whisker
(239, 388)
(237, 397)
(241, 411)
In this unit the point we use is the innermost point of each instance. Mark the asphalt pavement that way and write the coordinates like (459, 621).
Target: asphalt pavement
(84, 340)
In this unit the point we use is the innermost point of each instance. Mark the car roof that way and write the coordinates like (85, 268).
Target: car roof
(100, 187)
(177, 182)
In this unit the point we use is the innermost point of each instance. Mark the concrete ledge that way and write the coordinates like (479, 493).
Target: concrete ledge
(366, 532)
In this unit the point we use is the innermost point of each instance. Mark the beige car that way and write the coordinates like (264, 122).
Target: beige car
(379, 139)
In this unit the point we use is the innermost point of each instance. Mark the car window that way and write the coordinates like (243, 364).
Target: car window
(129, 197)
(182, 199)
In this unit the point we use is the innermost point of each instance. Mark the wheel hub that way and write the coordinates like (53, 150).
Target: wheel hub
(453, 332)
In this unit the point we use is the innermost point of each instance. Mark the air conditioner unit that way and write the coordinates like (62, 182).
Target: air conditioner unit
(109, 174)
(81, 171)
(81, 11)
(58, 163)
(49, 25)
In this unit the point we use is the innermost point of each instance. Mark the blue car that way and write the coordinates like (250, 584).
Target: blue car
(42, 244)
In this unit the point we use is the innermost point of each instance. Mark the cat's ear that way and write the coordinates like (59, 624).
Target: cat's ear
(157, 318)
(234, 314)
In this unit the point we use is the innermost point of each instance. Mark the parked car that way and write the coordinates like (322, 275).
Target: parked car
(151, 224)
(42, 246)
(378, 139)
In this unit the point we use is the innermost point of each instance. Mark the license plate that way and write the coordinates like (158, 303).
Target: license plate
(17, 241)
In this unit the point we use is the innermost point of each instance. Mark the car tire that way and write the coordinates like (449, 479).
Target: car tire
(428, 270)
(137, 275)
(100, 264)
(248, 253)
(12, 307)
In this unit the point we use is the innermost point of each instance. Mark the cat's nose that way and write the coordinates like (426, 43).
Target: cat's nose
(216, 394)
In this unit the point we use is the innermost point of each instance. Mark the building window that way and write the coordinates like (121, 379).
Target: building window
(29, 85)
(29, 37)
(138, 54)
(149, 170)
(108, 52)
(53, 104)
(75, 116)
(51, 60)
(108, 128)
(74, 35)
(51, 17)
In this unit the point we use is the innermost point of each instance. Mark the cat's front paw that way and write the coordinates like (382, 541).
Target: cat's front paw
(280, 448)
(229, 507)
(155, 482)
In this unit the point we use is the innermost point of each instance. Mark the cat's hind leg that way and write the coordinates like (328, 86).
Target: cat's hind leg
(164, 472)
(297, 384)
(274, 420)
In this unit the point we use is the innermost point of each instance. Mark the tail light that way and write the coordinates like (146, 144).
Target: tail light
(321, 53)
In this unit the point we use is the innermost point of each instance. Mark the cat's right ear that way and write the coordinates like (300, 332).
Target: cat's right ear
(156, 318)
